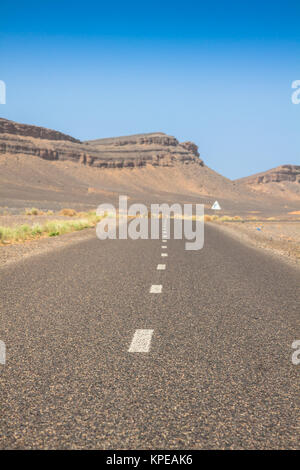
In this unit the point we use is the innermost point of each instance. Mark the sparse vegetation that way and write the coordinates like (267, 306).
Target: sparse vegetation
(223, 218)
(51, 228)
(68, 212)
(33, 211)
(154, 215)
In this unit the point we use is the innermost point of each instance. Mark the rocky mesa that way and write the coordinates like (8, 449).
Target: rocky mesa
(283, 180)
(279, 174)
(156, 149)
(46, 168)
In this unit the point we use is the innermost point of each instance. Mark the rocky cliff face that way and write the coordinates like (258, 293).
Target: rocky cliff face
(14, 128)
(280, 182)
(283, 173)
(157, 138)
(156, 149)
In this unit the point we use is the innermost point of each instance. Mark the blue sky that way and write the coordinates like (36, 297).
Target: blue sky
(218, 74)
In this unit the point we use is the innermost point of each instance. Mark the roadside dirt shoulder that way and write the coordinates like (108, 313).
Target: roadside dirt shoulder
(13, 253)
(279, 238)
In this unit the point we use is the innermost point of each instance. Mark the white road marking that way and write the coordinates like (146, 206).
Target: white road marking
(164, 240)
(156, 289)
(164, 246)
(161, 267)
(164, 254)
(141, 341)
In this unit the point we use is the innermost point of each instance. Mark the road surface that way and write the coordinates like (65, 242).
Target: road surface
(106, 351)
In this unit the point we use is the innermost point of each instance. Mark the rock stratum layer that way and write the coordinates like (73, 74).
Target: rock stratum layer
(282, 181)
(283, 173)
(156, 149)
(14, 128)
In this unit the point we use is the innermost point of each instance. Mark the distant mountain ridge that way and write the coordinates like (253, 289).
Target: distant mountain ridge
(39, 164)
(275, 175)
(139, 150)
(283, 180)
(145, 166)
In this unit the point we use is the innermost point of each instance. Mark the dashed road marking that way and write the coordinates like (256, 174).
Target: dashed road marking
(141, 341)
(164, 246)
(156, 289)
(164, 254)
(161, 267)
(164, 240)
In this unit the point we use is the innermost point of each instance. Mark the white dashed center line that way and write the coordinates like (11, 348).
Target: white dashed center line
(156, 289)
(161, 267)
(141, 341)
(164, 246)
(164, 254)
(164, 240)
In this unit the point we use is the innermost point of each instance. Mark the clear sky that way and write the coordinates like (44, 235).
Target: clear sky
(216, 73)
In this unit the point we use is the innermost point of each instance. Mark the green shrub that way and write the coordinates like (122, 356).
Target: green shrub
(36, 230)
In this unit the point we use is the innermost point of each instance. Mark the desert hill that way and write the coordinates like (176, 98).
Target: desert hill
(282, 181)
(156, 149)
(45, 168)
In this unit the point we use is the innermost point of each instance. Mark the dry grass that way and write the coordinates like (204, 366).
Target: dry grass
(51, 228)
(223, 218)
(34, 211)
(154, 215)
(68, 212)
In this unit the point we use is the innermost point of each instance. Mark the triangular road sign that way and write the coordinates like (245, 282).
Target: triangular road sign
(216, 206)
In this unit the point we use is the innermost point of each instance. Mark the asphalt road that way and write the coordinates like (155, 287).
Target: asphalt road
(217, 373)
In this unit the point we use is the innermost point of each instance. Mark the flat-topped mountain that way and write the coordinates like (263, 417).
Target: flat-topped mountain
(275, 175)
(40, 166)
(155, 149)
(283, 180)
